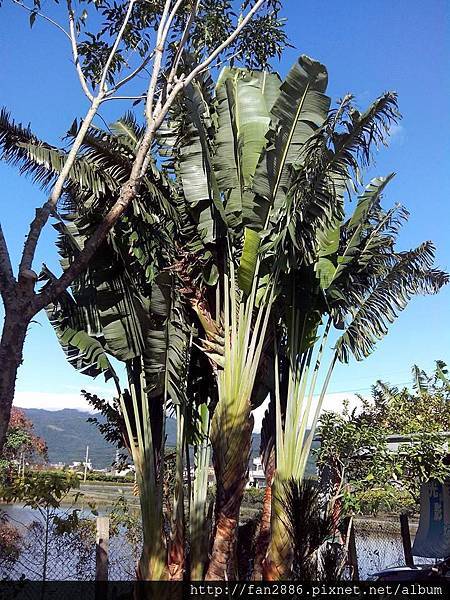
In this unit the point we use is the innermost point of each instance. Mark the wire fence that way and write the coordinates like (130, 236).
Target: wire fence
(41, 549)
(379, 545)
(377, 549)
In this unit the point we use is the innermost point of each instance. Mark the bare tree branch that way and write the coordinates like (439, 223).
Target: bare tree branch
(155, 117)
(130, 76)
(159, 50)
(7, 280)
(43, 213)
(42, 16)
(107, 99)
(184, 39)
(170, 18)
(115, 46)
(76, 58)
(150, 110)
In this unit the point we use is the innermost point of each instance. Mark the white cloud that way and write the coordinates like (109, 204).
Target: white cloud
(55, 400)
(397, 133)
(58, 401)
(334, 402)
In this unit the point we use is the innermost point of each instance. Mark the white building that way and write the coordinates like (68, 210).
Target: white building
(125, 471)
(79, 465)
(256, 476)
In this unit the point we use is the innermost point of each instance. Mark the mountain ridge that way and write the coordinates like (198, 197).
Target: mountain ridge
(67, 433)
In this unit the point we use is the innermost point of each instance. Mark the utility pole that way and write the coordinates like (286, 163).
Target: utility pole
(85, 463)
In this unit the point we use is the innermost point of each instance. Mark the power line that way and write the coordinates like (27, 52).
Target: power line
(409, 382)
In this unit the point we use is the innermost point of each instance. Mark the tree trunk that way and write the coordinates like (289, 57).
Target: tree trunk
(11, 350)
(231, 453)
(152, 564)
(223, 556)
(278, 562)
(263, 539)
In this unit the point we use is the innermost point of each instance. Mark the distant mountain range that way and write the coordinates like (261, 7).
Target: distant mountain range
(67, 434)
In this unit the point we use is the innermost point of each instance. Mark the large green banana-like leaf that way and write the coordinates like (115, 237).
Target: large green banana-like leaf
(88, 175)
(126, 325)
(300, 109)
(332, 263)
(103, 165)
(84, 351)
(19, 146)
(167, 345)
(371, 195)
(249, 259)
(195, 168)
(374, 309)
(328, 244)
(127, 130)
(357, 224)
(244, 100)
(111, 304)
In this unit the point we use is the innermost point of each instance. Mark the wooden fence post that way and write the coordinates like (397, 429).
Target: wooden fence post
(406, 540)
(350, 542)
(101, 549)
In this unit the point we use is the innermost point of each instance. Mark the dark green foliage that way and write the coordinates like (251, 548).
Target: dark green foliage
(354, 457)
(245, 548)
(253, 498)
(386, 500)
(98, 22)
(112, 425)
(309, 526)
(38, 490)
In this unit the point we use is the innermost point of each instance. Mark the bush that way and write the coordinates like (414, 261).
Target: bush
(385, 500)
(93, 476)
(10, 543)
(253, 497)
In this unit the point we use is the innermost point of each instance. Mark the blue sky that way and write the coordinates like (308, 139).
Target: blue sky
(368, 47)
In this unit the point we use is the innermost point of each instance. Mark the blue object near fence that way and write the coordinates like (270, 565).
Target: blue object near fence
(433, 535)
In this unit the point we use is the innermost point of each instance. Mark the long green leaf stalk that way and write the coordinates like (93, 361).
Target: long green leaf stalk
(177, 533)
(292, 443)
(152, 564)
(198, 506)
(232, 422)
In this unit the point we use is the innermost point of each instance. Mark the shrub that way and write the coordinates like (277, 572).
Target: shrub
(253, 497)
(385, 500)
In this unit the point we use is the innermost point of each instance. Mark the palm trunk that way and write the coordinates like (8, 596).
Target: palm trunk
(278, 562)
(232, 421)
(199, 521)
(145, 430)
(231, 452)
(152, 564)
(11, 350)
